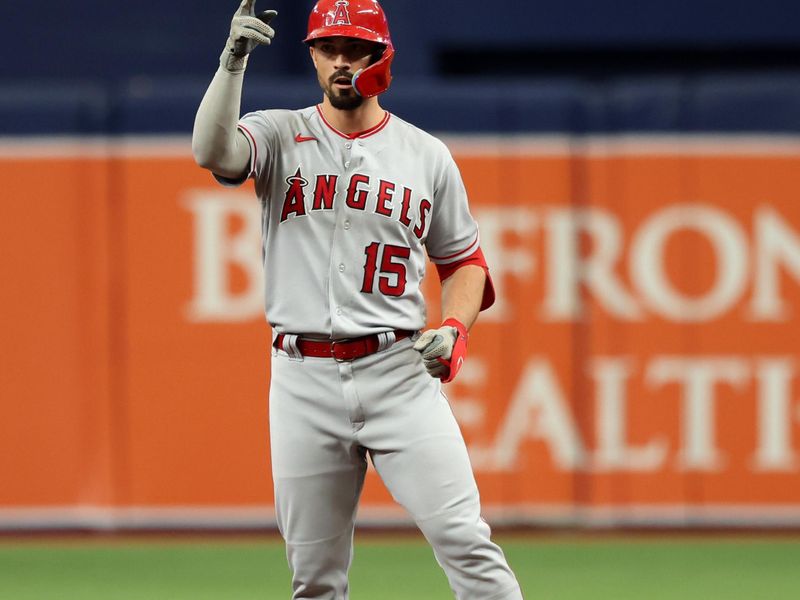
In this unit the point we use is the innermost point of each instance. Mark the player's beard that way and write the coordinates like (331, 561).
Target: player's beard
(346, 99)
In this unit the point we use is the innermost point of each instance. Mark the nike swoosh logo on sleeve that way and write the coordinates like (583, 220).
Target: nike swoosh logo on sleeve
(301, 138)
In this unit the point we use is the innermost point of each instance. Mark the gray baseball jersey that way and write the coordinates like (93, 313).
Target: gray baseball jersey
(347, 219)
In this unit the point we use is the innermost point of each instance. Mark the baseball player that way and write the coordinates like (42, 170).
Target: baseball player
(353, 198)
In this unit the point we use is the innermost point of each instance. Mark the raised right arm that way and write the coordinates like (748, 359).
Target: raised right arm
(217, 145)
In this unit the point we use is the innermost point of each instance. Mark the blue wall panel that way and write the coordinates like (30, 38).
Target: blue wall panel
(768, 103)
(54, 109)
(648, 104)
(95, 39)
(736, 104)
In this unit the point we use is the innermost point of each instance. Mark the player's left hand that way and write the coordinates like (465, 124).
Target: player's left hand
(443, 350)
(248, 31)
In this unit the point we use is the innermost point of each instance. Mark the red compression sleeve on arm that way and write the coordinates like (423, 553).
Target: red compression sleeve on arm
(476, 258)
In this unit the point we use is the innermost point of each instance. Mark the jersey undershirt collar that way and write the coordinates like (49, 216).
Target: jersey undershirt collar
(360, 134)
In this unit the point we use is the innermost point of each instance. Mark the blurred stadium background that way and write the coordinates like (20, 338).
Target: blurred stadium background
(630, 404)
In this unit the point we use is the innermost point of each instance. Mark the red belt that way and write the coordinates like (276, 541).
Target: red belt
(340, 350)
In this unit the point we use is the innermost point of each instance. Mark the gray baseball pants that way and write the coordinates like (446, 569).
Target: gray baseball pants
(325, 417)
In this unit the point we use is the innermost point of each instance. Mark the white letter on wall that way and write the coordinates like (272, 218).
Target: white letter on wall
(648, 267)
(613, 453)
(698, 377)
(774, 444)
(215, 251)
(566, 269)
(776, 245)
(503, 261)
(538, 410)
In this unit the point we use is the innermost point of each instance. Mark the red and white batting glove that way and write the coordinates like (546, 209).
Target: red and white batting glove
(444, 349)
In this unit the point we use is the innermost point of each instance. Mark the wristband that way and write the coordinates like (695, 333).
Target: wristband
(459, 349)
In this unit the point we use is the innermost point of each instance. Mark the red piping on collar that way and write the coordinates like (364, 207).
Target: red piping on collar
(360, 134)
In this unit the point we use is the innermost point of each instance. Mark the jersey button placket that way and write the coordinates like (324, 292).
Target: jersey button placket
(339, 266)
(348, 154)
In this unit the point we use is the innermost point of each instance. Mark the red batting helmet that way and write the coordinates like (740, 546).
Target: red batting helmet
(362, 19)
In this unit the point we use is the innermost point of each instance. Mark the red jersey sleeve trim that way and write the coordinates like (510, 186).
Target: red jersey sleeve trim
(477, 259)
(448, 257)
(254, 146)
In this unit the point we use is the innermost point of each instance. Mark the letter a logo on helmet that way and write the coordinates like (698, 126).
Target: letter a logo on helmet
(361, 19)
(341, 16)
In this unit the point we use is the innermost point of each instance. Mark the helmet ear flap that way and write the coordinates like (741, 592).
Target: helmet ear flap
(376, 78)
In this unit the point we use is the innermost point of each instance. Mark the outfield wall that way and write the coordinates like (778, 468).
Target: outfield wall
(639, 367)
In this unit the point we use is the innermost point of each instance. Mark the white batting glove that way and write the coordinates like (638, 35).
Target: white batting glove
(444, 349)
(436, 348)
(247, 32)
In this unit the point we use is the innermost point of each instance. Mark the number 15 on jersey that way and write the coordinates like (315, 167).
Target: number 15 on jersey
(389, 261)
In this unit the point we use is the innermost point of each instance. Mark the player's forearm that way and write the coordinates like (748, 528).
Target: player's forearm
(462, 293)
(216, 144)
